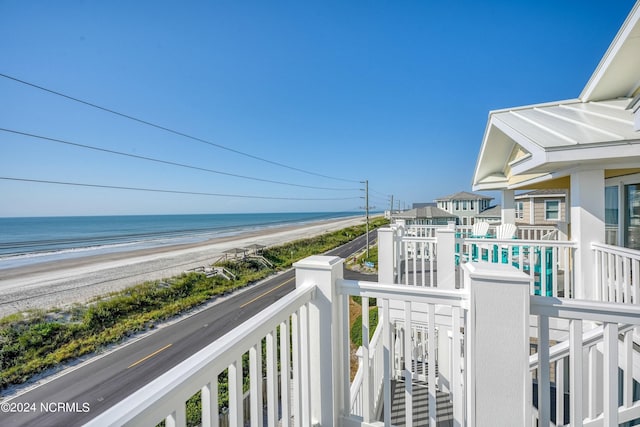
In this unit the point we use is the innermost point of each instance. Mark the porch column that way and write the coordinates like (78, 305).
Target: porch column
(386, 255)
(587, 226)
(328, 373)
(446, 256)
(499, 383)
(508, 207)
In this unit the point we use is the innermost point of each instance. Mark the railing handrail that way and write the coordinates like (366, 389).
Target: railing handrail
(589, 339)
(454, 298)
(190, 376)
(359, 376)
(596, 311)
(617, 250)
(406, 238)
(520, 242)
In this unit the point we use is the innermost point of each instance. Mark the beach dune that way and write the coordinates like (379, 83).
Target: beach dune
(62, 283)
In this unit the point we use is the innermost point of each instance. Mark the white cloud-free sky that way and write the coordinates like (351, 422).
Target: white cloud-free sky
(394, 92)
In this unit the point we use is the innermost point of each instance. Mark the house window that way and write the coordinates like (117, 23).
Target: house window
(457, 205)
(611, 210)
(632, 216)
(552, 210)
(464, 205)
(471, 205)
(519, 210)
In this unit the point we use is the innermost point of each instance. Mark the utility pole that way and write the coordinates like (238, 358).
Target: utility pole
(366, 210)
(391, 209)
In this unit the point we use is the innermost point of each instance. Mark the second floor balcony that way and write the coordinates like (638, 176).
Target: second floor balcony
(464, 337)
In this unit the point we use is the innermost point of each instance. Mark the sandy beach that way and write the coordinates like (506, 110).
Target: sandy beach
(62, 283)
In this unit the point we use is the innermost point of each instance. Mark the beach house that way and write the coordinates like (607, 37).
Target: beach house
(426, 215)
(505, 331)
(464, 205)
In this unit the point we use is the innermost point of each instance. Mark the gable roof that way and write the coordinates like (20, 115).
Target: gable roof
(617, 73)
(463, 195)
(526, 145)
(492, 212)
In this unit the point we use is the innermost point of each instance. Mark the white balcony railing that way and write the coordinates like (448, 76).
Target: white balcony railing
(547, 262)
(617, 273)
(165, 397)
(525, 232)
(598, 362)
(479, 336)
(375, 373)
(409, 348)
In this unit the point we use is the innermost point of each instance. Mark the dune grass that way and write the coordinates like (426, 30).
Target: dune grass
(35, 341)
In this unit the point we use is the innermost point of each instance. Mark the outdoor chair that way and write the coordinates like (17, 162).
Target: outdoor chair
(478, 231)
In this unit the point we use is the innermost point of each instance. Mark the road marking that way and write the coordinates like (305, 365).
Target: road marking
(149, 356)
(266, 293)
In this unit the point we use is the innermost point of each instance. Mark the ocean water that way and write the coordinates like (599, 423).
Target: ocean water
(25, 241)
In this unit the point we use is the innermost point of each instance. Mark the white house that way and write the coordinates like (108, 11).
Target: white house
(588, 145)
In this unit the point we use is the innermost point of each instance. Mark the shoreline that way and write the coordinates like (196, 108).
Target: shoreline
(77, 280)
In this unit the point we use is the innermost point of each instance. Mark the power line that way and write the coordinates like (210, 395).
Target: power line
(167, 162)
(379, 193)
(155, 190)
(175, 132)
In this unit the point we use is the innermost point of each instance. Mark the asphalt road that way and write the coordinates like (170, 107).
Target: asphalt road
(81, 394)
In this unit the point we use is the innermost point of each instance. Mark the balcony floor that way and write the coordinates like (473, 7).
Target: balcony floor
(420, 405)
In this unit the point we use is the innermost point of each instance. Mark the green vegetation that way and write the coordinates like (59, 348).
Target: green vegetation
(372, 258)
(356, 329)
(35, 341)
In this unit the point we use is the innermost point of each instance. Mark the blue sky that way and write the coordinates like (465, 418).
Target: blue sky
(394, 92)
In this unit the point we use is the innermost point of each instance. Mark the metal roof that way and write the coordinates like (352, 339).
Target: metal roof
(555, 137)
(570, 123)
(492, 212)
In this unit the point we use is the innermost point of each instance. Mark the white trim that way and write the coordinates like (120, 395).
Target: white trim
(538, 196)
(624, 179)
(519, 213)
(532, 212)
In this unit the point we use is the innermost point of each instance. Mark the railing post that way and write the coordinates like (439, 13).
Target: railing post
(386, 255)
(499, 383)
(446, 257)
(329, 364)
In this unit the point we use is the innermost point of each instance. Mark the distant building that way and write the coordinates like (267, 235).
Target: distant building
(423, 205)
(492, 215)
(541, 207)
(429, 215)
(464, 206)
